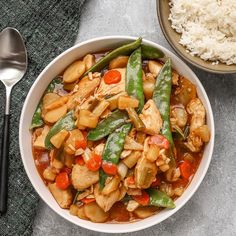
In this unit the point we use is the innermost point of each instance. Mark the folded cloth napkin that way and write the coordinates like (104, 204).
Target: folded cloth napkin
(48, 27)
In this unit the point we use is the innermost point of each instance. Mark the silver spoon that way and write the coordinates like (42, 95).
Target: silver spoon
(13, 65)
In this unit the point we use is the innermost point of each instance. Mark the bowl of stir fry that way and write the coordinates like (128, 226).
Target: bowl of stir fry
(116, 134)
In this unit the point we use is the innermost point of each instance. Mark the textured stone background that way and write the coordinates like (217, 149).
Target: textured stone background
(212, 209)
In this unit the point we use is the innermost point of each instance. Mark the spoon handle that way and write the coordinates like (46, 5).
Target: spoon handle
(4, 164)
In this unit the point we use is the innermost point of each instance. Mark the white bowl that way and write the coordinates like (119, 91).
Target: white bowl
(34, 95)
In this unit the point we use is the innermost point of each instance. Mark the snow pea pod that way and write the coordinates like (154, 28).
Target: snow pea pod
(102, 178)
(134, 81)
(67, 122)
(108, 125)
(115, 144)
(161, 97)
(160, 199)
(149, 52)
(126, 49)
(37, 120)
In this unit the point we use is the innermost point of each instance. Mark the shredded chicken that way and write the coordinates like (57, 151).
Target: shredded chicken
(151, 118)
(85, 88)
(112, 89)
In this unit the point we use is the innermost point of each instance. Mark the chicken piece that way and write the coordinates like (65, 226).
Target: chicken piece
(82, 177)
(197, 110)
(194, 143)
(40, 140)
(106, 201)
(112, 89)
(145, 173)
(178, 115)
(151, 118)
(84, 89)
(63, 197)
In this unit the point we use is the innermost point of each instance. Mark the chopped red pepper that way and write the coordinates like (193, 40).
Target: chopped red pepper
(142, 199)
(186, 169)
(62, 181)
(160, 141)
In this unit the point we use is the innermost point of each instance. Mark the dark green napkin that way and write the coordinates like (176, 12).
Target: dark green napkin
(48, 27)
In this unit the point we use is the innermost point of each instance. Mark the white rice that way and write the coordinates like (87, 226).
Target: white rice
(208, 28)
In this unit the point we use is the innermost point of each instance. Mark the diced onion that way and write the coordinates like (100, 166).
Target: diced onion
(122, 170)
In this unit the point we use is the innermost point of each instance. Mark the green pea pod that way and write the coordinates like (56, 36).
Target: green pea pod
(134, 80)
(160, 199)
(126, 49)
(161, 97)
(115, 144)
(67, 122)
(54, 83)
(108, 125)
(149, 52)
(102, 178)
(37, 120)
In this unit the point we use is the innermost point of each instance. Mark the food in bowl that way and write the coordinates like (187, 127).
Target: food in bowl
(207, 28)
(118, 136)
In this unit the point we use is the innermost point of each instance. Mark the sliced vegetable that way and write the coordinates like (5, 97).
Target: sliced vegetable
(95, 213)
(161, 97)
(67, 122)
(79, 160)
(112, 77)
(139, 125)
(87, 200)
(108, 125)
(62, 181)
(149, 52)
(160, 199)
(76, 195)
(74, 71)
(134, 81)
(127, 102)
(186, 169)
(123, 50)
(109, 168)
(37, 120)
(87, 119)
(115, 144)
(102, 178)
(118, 62)
(142, 199)
(160, 141)
(94, 162)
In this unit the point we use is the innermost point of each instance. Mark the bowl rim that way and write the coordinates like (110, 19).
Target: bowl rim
(172, 44)
(94, 226)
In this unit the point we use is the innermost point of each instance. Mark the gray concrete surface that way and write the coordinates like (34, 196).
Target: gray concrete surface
(212, 209)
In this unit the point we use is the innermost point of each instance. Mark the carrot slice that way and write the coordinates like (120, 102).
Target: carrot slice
(87, 200)
(112, 77)
(109, 168)
(94, 162)
(79, 160)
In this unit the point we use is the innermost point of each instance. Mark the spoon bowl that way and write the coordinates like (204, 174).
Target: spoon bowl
(13, 65)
